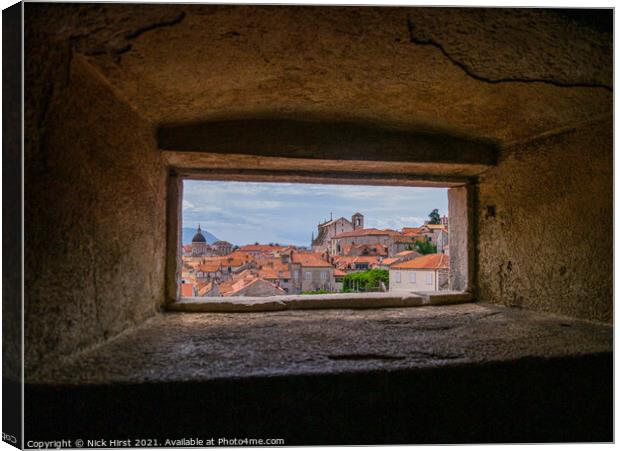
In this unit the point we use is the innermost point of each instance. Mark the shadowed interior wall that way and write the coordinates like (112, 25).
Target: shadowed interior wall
(95, 215)
(545, 225)
(101, 77)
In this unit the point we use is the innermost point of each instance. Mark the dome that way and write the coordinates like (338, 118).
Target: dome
(199, 237)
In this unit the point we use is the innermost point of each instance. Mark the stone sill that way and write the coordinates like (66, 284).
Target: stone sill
(181, 347)
(390, 299)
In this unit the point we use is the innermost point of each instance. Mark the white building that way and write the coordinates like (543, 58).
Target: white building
(427, 273)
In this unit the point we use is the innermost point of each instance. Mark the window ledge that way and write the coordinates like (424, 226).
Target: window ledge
(176, 347)
(321, 301)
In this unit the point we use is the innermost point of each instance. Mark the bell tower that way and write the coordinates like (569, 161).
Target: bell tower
(358, 221)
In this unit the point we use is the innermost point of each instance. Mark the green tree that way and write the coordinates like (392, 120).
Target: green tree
(369, 280)
(425, 247)
(434, 217)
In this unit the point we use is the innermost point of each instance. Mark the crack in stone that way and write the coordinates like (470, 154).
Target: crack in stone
(435, 356)
(369, 356)
(470, 72)
(164, 23)
(487, 315)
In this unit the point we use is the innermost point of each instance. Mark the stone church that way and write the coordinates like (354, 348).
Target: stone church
(328, 229)
(200, 247)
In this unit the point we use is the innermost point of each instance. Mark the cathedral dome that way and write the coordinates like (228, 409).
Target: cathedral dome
(199, 237)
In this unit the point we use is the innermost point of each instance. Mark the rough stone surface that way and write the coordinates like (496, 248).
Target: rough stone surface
(256, 167)
(194, 63)
(545, 225)
(555, 49)
(94, 220)
(460, 238)
(190, 347)
(11, 196)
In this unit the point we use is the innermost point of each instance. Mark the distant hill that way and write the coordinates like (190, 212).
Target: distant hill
(188, 234)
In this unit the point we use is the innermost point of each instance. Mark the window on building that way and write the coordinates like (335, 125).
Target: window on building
(429, 278)
(308, 275)
(397, 276)
(323, 275)
(412, 277)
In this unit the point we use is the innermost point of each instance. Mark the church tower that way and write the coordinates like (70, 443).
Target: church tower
(358, 221)
(199, 243)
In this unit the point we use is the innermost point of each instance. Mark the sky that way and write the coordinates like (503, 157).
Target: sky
(288, 213)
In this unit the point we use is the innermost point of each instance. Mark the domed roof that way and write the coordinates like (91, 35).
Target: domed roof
(199, 237)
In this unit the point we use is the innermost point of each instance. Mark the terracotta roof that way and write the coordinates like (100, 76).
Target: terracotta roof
(228, 260)
(379, 249)
(339, 273)
(435, 226)
(389, 261)
(204, 288)
(239, 254)
(232, 287)
(310, 259)
(430, 261)
(274, 274)
(359, 259)
(233, 261)
(405, 253)
(366, 232)
(187, 290)
(260, 248)
(412, 230)
(346, 262)
(209, 267)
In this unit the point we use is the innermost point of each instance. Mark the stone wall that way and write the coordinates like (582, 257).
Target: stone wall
(101, 78)
(545, 225)
(94, 210)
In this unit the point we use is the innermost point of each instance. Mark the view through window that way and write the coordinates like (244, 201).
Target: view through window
(271, 239)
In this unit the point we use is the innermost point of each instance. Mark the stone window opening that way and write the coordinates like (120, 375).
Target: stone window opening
(460, 288)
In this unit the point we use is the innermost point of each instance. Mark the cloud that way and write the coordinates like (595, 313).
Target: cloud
(245, 212)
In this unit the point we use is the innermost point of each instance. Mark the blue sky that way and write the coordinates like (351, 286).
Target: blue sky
(288, 213)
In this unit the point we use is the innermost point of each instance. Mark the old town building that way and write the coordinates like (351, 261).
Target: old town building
(328, 229)
(426, 273)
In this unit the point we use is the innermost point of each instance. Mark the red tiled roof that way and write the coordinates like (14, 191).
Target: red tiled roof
(209, 267)
(260, 248)
(430, 261)
(204, 288)
(366, 232)
(412, 230)
(379, 249)
(187, 290)
(273, 274)
(231, 287)
(346, 262)
(310, 259)
(359, 259)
